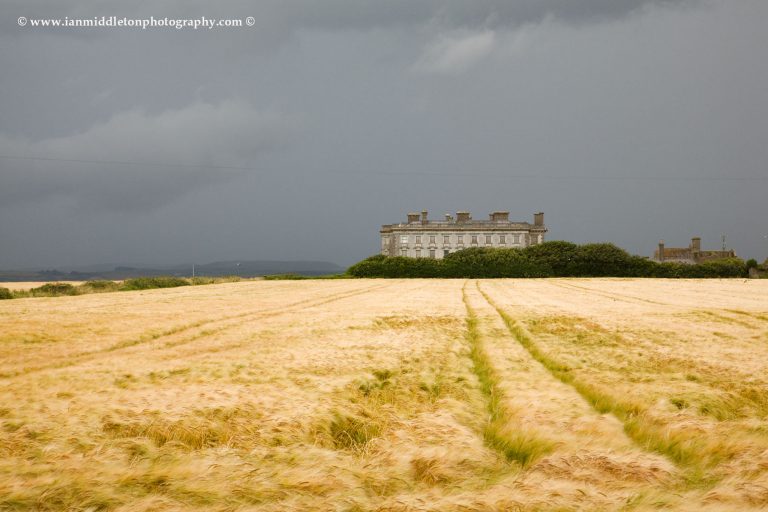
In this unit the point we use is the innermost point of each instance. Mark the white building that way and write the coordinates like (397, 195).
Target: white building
(423, 238)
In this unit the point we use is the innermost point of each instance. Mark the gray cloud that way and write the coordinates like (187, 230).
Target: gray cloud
(138, 161)
(456, 52)
(623, 121)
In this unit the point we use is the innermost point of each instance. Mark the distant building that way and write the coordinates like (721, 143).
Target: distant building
(691, 254)
(423, 238)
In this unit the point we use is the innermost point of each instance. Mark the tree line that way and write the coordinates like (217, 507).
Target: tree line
(549, 259)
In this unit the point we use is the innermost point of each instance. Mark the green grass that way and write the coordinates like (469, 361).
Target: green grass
(98, 286)
(148, 283)
(353, 432)
(54, 290)
(523, 447)
(299, 277)
(515, 445)
(200, 280)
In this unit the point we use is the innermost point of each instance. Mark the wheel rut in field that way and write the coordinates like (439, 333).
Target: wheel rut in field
(523, 298)
(207, 327)
(580, 443)
(623, 297)
(515, 443)
(639, 425)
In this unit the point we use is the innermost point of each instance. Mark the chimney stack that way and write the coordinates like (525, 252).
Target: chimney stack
(696, 244)
(661, 250)
(448, 217)
(538, 219)
(424, 216)
(500, 216)
(413, 217)
(462, 217)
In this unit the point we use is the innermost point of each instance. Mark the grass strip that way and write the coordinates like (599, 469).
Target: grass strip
(515, 445)
(694, 453)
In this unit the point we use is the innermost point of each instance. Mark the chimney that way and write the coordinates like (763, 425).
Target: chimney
(500, 216)
(413, 217)
(538, 219)
(661, 250)
(462, 217)
(448, 217)
(696, 244)
(424, 216)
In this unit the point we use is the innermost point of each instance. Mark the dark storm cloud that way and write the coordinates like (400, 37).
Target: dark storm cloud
(136, 161)
(295, 138)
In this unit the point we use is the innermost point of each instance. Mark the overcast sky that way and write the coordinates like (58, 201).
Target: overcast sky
(296, 138)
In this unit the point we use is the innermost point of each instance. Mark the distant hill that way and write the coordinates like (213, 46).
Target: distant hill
(260, 268)
(218, 268)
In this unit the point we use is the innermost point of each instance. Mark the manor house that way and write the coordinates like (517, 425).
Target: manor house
(420, 237)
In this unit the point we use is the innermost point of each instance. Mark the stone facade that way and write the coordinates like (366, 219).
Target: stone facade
(691, 254)
(420, 237)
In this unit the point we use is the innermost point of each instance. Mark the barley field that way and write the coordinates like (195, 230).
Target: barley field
(389, 395)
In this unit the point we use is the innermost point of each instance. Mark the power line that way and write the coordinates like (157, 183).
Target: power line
(396, 173)
(125, 162)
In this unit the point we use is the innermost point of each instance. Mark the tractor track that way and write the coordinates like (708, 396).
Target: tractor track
(549, 419)
(642, 429)
(623, 297)
(210, 326)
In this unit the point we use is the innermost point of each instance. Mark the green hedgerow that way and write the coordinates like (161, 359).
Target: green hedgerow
(148, 283)
(54, 290)
(549, 259)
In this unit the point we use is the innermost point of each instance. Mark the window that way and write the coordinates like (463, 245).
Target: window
(418, 239)
(404, 251)
(446, 252)
(474, 239)
(502, 239)
(446, 239)
(487, 239)
(432, 253)
(515, 239)
(431, 239)
(418, 253)
(404, 239)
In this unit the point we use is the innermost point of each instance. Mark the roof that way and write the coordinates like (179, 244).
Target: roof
(673, 252)
(471, 225)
